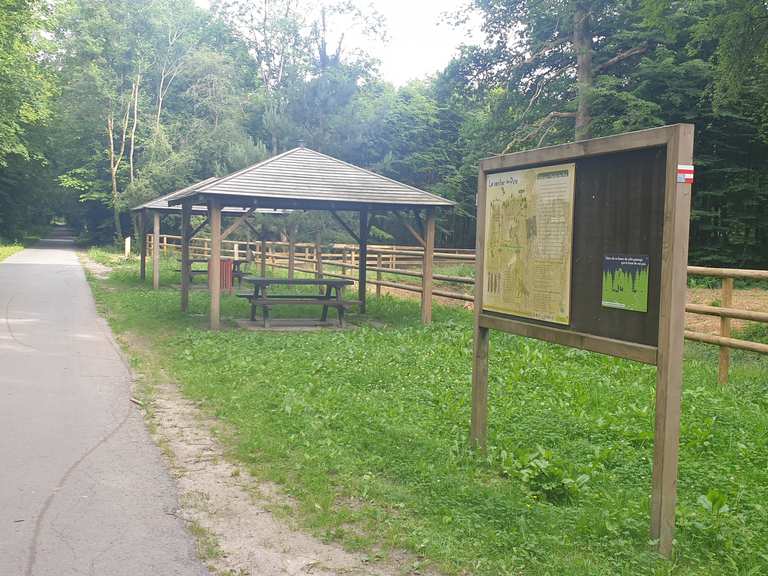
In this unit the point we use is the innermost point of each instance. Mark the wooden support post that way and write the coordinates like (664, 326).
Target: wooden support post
(479, 424)
(156, 251)
(237, 251)
(263, 256)
(319, 264)
(291, 256)
(669, 373)
(726, 301)
(164, 242)
(143, 246)
(214, 267)
(478, 430)
(362, 269)
(378, 275)
(343, 261)
(426, 271)
(186, 229)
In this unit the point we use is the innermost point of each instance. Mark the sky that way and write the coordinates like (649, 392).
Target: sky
(418, 42)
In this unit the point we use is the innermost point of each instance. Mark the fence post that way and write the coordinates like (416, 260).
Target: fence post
(237, 251)
(319, 265)
(726, 300)
(343, 261)
(378, 274)
(291, 257)
(263, 257)
(165, 245)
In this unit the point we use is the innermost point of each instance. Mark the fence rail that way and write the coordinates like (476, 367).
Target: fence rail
(406, 261)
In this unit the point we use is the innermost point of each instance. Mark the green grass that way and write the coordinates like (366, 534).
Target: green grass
(9, 249)
(367, 430)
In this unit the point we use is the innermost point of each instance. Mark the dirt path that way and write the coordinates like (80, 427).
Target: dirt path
(229, 510)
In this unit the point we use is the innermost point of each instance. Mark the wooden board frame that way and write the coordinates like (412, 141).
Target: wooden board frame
(667, 355)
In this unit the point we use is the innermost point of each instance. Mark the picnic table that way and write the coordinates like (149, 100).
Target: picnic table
(330, 297)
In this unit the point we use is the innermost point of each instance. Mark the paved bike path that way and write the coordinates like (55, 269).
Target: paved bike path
(83, 490)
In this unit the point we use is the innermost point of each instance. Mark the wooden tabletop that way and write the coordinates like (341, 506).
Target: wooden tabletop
(299, 281)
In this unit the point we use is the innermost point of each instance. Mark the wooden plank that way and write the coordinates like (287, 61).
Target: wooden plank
(611, 347)
(669, 374)
(156, 250)
(426, 278)
(214, 276)
(143, 247)
(728, 272)
(362, 288)
(618, 209)
(730, 342)
(724, 312)
(582, 149)
(186, 213)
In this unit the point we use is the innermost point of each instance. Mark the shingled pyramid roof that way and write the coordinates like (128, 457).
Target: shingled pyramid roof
(304, 178)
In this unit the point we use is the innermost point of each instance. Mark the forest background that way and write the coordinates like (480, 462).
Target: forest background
(106, 104)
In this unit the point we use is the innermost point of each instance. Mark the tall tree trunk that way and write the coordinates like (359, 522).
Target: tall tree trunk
(116, 209)
(582, 43)
(135, 122)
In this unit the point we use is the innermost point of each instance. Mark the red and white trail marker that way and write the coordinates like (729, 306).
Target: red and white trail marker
(685, 173)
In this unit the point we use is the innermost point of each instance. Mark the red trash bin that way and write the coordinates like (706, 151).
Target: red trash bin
(226, 273)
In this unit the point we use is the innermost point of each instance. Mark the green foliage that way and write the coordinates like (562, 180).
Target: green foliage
(367, 430)
(222, 88)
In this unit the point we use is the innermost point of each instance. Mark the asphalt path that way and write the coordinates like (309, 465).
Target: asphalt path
(83, 490)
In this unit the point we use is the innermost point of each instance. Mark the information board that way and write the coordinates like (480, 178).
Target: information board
(528, 239)
(586, 245)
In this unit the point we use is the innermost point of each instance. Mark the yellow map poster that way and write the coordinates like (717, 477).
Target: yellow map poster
(528, 243)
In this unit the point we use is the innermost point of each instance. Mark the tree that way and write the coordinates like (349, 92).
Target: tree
(25, 85)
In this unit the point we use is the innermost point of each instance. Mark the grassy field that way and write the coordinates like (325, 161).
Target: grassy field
(367, 430)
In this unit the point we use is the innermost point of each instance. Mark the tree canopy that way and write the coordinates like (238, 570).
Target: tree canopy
(108, 104)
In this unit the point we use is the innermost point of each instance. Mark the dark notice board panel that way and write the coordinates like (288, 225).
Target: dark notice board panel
(618, 209)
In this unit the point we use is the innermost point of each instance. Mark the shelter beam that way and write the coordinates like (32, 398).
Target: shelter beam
(426, 273)
(156, 250)
(236, 224)
(214, 265)
(362, 266)
(143, 245)
(186, 213)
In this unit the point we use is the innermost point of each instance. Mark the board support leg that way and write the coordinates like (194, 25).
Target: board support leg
(669, 375)
(479, 426)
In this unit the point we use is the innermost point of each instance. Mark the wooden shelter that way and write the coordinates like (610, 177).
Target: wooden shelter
(303, 179)
(160, 207)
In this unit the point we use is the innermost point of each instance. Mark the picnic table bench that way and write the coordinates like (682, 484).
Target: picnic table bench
(331, 297)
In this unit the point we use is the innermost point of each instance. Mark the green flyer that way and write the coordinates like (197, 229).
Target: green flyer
(625, 282)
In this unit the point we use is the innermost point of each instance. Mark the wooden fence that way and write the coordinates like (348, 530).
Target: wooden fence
(342, 260)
